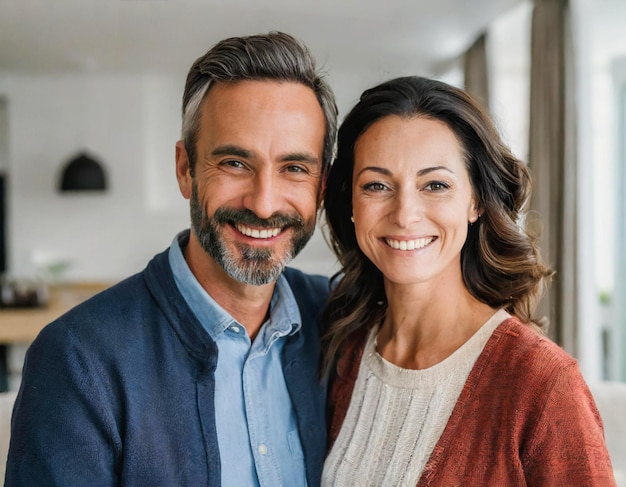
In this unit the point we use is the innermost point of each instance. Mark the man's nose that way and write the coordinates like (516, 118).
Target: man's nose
(263, 197)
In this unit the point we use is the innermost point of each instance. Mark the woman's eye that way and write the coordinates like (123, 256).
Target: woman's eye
(437, 186)
(374, 187)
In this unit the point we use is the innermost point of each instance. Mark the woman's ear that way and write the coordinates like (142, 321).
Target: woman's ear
(183, 171)
(475, 212)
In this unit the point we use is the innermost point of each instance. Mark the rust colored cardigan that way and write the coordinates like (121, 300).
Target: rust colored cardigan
(525, 417)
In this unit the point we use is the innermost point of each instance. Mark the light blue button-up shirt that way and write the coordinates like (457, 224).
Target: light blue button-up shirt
(257, 431)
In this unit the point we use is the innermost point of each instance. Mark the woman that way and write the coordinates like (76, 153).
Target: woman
(440, 375)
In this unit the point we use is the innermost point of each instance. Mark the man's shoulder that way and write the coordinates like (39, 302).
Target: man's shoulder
(310, 291)
(309, 287)
(100, 312)
(124, 300)
(297, 276)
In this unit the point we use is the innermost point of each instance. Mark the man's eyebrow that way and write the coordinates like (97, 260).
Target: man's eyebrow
(230, 150)
(233, 150)
(300, 157)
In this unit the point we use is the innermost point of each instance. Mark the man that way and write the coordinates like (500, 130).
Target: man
(202, 369)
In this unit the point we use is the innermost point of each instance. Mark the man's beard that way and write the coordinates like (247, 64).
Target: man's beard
(255, 266)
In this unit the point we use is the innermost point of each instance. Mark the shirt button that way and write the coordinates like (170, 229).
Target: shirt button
(235, 329)
(263, 449)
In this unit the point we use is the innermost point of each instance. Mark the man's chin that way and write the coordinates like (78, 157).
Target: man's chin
(249, 263)
(253, 273)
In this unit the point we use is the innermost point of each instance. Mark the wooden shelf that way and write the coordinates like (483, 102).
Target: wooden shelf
(22, 325)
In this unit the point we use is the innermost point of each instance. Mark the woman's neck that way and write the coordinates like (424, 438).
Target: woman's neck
(426, 324)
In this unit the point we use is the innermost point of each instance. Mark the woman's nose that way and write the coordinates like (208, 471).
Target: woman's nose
(406, 210)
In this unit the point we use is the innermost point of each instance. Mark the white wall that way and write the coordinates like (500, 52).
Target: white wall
(131, 124)
(105, 236)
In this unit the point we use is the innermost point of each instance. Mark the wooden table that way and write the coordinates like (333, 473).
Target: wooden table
(22, 325)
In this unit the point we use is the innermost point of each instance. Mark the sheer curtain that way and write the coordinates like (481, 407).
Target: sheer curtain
(552, 161)
(476, 71)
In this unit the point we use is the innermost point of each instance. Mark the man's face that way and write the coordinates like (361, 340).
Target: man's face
(254, 193)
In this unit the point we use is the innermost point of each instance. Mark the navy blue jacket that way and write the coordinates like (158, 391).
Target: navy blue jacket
(120, 390)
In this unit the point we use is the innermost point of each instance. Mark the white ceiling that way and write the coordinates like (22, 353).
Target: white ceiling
(165, 36)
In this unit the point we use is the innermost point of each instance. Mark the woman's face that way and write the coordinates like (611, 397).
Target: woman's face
(412, 199)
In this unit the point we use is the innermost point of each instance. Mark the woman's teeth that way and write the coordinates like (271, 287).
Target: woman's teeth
(409, 244)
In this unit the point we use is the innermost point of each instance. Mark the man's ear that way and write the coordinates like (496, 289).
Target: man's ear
(322, 191)
(183, 171)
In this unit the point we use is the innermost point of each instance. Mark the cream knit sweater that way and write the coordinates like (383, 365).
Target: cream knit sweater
(396, 415)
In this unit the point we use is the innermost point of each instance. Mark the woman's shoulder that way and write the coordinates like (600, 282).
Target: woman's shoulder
(518, 352)
(528, 340)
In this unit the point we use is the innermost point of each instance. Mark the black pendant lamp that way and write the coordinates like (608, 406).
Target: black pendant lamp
(83, 173)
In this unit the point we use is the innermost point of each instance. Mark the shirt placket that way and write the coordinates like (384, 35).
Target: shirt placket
(256, 412)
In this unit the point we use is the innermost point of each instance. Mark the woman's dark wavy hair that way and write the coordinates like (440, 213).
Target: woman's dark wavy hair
(500, 262)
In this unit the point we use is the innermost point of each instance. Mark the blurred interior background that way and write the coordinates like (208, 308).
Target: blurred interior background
(103, 80)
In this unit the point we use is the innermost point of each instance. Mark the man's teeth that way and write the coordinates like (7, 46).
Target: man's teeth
(256, 233)
(409, 244)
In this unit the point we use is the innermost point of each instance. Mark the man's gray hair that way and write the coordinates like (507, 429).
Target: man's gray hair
(273, 56)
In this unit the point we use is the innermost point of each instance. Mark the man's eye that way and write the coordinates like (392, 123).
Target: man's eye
(232, 163)
(295, 169)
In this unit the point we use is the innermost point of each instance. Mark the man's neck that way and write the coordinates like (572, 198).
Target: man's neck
(246, 303)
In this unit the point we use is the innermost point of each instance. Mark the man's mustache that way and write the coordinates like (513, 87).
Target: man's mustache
(248, 218)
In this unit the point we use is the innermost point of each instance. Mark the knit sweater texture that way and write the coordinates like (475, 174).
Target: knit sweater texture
(396, 415)
(525, 417)
(120, 391)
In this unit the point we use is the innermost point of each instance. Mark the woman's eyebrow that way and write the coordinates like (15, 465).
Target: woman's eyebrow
(421, 172)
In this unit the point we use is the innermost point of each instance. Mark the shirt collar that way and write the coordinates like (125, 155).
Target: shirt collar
(284, 313)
